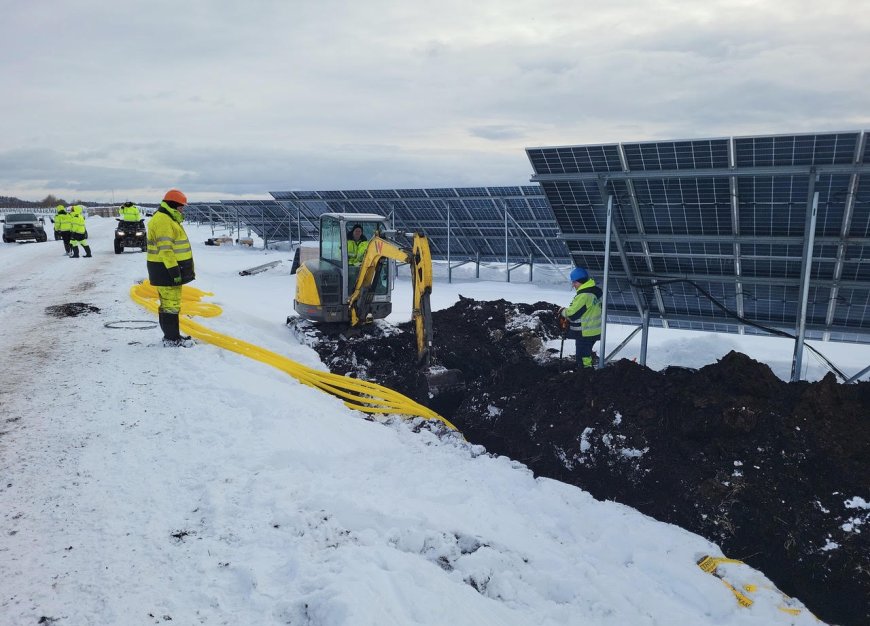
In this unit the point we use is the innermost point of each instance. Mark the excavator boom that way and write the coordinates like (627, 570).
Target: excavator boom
(419, 259)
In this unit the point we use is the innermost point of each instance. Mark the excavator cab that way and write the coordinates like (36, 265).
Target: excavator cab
(324, 286)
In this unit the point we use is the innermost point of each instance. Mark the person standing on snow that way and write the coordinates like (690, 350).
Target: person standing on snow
(583, 315)
(170, 263)
(78, 232)
(60, 227)
(65, 226)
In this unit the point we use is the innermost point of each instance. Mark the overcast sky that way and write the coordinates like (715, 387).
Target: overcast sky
(112, 101)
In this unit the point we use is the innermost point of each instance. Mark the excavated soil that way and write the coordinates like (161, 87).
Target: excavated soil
(776, 473)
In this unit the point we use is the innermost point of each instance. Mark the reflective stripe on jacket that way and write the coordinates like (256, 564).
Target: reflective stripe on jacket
(168, 248)
(584, 312)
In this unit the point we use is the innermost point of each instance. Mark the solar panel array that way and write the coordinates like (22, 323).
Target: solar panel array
(498, 223)
(730, 215)
(267, 218)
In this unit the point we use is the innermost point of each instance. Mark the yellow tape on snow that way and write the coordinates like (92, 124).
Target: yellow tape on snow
(710, 564)
(357, 394)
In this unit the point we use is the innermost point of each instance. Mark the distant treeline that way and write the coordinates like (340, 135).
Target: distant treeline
(50, 201)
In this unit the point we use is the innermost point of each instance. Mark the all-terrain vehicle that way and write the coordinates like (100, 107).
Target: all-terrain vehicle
(130, 235)
(23, 227)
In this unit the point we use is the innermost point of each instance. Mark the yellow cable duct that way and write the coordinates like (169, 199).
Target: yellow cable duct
(357, 394)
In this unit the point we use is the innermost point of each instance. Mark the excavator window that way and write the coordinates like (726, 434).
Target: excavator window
(330, 241)
(382, 280)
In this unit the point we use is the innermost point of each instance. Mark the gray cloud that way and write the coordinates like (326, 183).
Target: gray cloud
(236, 99)
(498, 132)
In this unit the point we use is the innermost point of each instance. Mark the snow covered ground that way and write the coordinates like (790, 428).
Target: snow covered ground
(141, 484)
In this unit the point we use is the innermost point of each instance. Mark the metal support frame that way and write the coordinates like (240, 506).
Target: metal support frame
(854, 379)
(638, 299)
(783, 170)
(633, 238)
(603, 360)
(530, 263)
(806, 270)
(638, 220)
(449, 266)
(644, 339)
(506, 258)
(624, 343)
(848, 212)
(735, 228)
(532, 241)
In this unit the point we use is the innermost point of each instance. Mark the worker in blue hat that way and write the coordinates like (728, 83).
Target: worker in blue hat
(583, 315)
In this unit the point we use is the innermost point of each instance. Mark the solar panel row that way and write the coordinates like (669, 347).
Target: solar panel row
(490, 223)
(732, 216)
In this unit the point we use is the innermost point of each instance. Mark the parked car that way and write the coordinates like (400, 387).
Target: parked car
(23, 227)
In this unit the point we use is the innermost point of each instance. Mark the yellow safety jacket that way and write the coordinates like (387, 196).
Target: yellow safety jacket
(170, 259)
(76, 224)
(130, 213)
(61, 220)
(356, 251)
(584, 312)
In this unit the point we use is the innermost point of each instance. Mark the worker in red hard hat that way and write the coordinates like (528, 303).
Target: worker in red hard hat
(170, 263)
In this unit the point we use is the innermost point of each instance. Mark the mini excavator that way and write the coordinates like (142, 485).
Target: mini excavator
(331, 288)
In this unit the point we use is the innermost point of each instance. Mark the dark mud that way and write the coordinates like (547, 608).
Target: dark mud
(768, 470)
(71, 309)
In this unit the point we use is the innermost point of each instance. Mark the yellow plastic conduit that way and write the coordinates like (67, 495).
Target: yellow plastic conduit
(356, 394)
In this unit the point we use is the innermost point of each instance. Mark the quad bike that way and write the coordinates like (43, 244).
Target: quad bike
(130, 235)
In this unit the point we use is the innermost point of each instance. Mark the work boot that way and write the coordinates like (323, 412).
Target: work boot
(87, 252)
(161, 318)
(178, 343)
(75, 252)
(171, 335)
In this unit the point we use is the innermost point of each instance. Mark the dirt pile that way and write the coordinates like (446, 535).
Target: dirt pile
(776, 473)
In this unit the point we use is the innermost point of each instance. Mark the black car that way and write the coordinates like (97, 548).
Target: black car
(130, 235)
(23, 227)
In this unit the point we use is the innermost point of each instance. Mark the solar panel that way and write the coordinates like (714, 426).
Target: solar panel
(784, 150)
(677, 155)
(472, 191)
(507, 224)
(385, 194)
(575, 159)
(729, 216)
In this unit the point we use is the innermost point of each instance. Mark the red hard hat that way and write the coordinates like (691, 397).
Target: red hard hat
(173, 195)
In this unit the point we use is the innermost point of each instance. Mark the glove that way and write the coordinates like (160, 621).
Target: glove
(175, 274)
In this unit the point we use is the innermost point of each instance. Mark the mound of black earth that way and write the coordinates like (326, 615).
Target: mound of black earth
(776, 473)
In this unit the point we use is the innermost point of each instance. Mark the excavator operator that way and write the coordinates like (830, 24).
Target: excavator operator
(357, 244)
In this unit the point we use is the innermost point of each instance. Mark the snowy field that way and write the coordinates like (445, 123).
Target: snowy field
(142, 484)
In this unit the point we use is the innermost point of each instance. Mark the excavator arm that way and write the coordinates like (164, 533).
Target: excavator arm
(418, 257)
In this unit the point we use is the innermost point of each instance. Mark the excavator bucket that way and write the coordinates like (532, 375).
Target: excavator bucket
(442, 380)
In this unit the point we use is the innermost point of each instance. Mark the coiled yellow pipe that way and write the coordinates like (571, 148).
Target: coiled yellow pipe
(357, 394)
